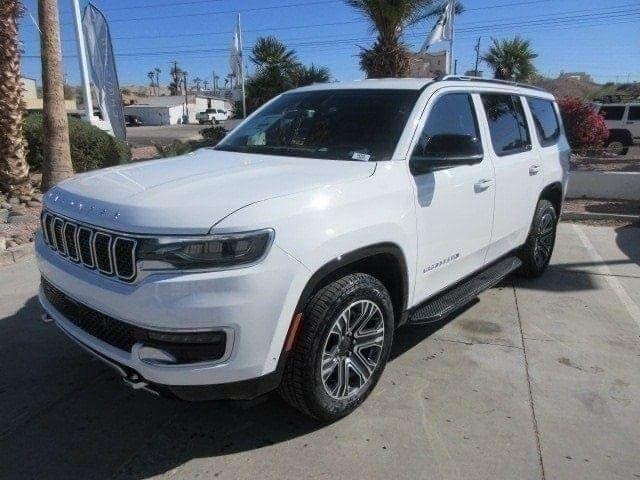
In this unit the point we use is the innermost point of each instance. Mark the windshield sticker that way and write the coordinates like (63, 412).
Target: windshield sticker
(363, 157)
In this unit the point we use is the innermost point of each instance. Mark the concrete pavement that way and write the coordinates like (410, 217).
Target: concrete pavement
(538, 379)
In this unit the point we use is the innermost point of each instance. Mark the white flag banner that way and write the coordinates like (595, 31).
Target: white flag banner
(235, 58)
(102, 66)
(443, 30)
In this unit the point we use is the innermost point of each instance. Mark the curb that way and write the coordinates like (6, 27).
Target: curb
(599, 216)
(16, 254)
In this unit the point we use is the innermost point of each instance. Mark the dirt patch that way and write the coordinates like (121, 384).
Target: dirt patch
(609, 163)
(607, 207)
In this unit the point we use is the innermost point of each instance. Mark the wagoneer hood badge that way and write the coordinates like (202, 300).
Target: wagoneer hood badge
(189, 194)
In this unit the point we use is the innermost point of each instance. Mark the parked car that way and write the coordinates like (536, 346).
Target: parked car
(286, 257)
(132, 121)
(623, 122)
(212, 116)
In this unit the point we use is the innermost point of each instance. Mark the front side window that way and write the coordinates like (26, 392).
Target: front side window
(634, 113)
(612, 112)
(451, 130)
(507, 123)
(546, 120)
(349, 124)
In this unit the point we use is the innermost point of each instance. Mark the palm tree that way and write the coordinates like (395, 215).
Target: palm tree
(152, 78)
(302, 76)
(269, 52)
(55, 130)
(511, 59)
(157, 72)
(14, 170)
(390, 56)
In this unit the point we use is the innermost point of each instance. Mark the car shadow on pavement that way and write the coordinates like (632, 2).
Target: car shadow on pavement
(63, 414)
(628, 241)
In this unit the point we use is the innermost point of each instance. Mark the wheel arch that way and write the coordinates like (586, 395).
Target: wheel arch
(553, 192)
(384, 261)
(622, 135)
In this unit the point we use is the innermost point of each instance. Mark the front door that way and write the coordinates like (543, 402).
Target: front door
(454, 200)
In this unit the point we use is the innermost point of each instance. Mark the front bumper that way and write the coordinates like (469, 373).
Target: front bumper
(253, 306)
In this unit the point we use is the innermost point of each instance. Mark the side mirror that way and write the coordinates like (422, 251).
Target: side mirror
(446, 151)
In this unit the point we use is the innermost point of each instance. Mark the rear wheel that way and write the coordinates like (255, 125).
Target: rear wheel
(342, 350)
(616, 147)
(536, 253)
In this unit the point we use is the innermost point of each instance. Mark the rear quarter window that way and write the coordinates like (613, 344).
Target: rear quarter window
(546, 120)
(612, 112)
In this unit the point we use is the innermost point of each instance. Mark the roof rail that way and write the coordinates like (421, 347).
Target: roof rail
(464, 78)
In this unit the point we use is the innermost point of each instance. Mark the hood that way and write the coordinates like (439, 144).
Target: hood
(191, 193)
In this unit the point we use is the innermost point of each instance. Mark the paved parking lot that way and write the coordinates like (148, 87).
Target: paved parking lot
(538, 379)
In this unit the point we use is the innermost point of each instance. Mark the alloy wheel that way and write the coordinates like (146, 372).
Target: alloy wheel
(545, 238)
(352, 349)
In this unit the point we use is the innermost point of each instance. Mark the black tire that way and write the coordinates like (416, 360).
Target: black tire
(617, 146)
(536, 253)
(302, 385)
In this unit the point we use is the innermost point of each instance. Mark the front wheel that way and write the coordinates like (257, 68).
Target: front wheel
(536, 253)
(347, 332)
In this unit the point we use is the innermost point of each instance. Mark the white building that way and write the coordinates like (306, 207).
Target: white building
(428, 65)
(172, 110)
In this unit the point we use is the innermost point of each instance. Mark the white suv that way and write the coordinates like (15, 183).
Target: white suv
(213, 116)
(286, 257)
(623, 122)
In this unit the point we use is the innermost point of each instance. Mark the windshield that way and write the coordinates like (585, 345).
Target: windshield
(359, 124)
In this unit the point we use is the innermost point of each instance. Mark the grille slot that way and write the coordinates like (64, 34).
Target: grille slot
(58, 239)
(84, 246)
(70, 240)
(123, 253)
(102, 251)
(112, 255)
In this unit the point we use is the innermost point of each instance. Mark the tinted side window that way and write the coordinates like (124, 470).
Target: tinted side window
(451, 129)
(634, 113)
(612, 112)
(546, 120)
(507, 123)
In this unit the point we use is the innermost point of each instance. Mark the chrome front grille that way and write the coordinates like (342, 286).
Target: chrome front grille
(106, 252)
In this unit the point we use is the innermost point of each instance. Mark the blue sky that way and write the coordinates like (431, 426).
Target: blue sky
(600, 37)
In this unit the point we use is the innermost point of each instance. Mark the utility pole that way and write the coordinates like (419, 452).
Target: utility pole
(477, 56)
(455, 67)
(244, 97)
(82, 57)
(186, 99)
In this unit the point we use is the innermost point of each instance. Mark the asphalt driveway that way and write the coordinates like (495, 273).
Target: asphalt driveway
(538, 379)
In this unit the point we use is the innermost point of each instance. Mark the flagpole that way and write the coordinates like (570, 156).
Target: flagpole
(453, 17)
(82, 55)
(240, 41)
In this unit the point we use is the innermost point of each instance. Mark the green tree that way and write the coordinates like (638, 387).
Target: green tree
(269, 52)
(302, 76)
(390, 56)
(278, 70)
(511, 59)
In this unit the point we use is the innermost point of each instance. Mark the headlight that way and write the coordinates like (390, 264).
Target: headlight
(211, 251)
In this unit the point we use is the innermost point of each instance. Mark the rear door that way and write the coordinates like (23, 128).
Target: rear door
(633, 122)
(515, 163)
(454, 204)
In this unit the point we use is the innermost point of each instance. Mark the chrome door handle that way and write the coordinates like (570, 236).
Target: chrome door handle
(482, 185)
(534, 169)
